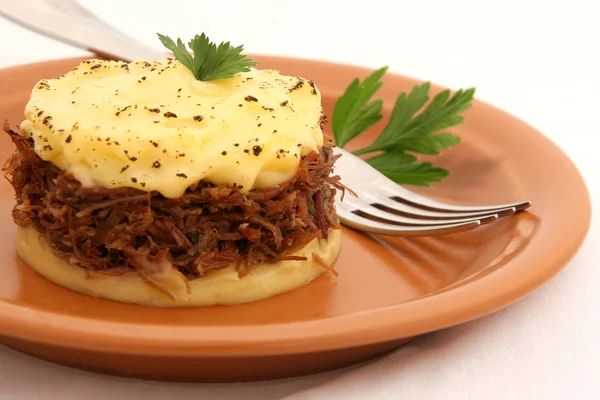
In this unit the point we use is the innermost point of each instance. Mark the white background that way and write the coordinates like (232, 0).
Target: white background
(539, 60)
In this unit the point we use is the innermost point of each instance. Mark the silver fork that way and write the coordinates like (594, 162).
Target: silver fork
(381, 206)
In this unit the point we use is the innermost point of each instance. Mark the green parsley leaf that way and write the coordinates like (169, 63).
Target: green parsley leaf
(179, 49)
(209, 61)
(403, 168)
(415, 126)
(429, 144)
(353, 114)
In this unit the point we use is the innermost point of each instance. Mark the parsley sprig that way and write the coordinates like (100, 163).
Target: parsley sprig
(209, 61)
(415, 126)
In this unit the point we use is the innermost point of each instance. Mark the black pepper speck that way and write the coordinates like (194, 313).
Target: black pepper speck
(314, 89)
(297, 86)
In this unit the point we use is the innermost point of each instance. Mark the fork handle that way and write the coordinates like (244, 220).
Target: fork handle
(68, 22)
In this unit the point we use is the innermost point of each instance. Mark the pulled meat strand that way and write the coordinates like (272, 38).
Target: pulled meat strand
(299, 240)
(293, 258)
(320, 213)
(209, 227)
(111, 203)
(323, 264)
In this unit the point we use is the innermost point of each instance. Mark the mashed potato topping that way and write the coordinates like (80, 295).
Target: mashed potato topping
(153, 126)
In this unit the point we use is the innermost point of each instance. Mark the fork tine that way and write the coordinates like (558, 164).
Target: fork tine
(387, 204)
(360, 207)
(404, 196)
(364, 224)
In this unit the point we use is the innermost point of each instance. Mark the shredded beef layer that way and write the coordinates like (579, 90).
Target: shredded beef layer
(210, 227)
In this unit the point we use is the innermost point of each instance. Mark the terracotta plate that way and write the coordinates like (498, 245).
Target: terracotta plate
(388, 290)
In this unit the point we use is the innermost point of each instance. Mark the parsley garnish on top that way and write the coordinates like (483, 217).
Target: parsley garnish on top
(415, 126)
(209, 61)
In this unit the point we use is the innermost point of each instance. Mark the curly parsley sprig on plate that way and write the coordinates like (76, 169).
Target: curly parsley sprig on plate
(415, 126)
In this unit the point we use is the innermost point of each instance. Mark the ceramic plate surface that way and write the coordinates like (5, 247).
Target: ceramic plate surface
(388, 290)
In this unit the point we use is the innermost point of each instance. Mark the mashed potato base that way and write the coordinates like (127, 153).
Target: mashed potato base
(221, 287)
